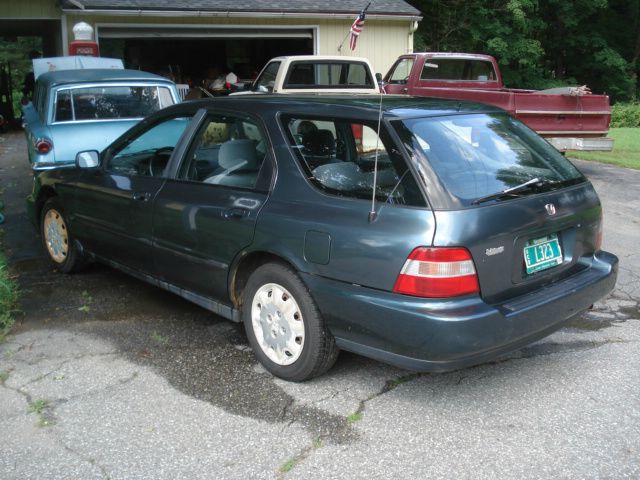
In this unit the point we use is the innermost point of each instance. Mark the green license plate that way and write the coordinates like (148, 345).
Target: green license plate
(542, 253)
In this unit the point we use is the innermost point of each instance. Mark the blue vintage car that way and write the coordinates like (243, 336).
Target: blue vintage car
(75, 110)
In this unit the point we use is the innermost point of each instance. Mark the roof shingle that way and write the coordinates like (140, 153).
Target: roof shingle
(379, 7)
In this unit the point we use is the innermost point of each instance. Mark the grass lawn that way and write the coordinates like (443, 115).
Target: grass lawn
(626, 149)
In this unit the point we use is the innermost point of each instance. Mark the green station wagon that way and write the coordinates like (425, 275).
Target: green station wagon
(429, 234)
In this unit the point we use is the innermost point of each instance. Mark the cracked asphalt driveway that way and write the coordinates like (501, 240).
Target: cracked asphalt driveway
(107, 377)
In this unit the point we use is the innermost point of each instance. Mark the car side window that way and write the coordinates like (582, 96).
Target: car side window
(228, 150)
(63, 107)
(148, 153)
(346, 158)
(401, 71)
(268, 77)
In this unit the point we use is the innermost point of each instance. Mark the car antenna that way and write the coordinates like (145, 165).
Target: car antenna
(373, 215)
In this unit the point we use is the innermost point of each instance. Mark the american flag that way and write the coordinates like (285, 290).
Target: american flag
(356, 29)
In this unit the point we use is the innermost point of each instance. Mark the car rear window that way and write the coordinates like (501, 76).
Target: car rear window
(336, 74)
(481, 154)
(110, 102)
(339, 157)
(457, 69)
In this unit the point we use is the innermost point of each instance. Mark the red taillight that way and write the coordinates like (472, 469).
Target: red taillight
(438, 273)
(598, 244)
(43, 145)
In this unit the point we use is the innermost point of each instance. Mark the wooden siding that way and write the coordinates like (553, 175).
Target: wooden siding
(30, 9)
(381, 41)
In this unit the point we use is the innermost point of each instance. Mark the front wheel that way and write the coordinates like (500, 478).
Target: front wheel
(56, 238)
(284, 326)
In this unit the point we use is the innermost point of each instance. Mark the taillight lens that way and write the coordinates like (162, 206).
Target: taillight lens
(438, 272)
(598, 244)
(43, 145)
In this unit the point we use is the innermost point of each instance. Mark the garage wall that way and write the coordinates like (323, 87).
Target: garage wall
(381, 41)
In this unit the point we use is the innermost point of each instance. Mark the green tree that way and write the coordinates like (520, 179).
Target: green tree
(14, 53)
(543, 43)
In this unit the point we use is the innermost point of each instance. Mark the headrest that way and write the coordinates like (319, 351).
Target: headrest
(236, 152)
(320, 142)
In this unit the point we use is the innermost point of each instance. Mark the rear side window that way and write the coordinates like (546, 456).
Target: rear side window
(328, 74)
(481, 154)
(110, 102)
(339, 157)
(64, 109)
(457, 69)
(230, 151)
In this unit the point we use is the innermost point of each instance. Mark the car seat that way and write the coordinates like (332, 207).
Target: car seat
(240, 163)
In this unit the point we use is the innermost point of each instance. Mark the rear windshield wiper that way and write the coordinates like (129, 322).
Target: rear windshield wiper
(512, 191)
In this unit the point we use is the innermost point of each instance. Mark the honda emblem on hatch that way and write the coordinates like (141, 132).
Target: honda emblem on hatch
(550, 208)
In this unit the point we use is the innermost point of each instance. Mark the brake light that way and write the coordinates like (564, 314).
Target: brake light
(598, 244)
(43, 145)
(438, 272)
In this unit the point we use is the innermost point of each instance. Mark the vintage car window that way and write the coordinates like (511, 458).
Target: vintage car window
(457, 69)
(401, 71)
(229, 151)
(481, 154)
(116, 102)
(305, 74)
(64, 108)
(148, 153)
(40, 102)
(339, 157)
(268, 77)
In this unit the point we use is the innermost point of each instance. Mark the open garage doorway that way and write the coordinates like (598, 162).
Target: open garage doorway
(188, 54)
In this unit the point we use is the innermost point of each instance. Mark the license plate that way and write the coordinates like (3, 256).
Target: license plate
(542, 253)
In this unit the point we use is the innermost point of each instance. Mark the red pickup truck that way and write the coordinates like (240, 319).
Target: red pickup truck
(570, 117)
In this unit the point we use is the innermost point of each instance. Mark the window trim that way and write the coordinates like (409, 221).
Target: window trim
(100, 85)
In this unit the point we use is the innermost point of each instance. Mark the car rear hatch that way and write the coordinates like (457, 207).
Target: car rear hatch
(527, 216)
(521, 244)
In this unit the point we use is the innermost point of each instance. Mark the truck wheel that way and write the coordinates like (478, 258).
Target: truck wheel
(57, 239)
(284, 326)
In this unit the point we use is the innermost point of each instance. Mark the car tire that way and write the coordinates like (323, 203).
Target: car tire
(57, 239)
(284, 326)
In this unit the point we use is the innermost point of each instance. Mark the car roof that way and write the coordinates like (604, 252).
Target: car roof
(98, 75)
(368, 106)
(321, 58)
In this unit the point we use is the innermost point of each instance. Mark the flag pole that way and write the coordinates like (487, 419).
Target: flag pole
(364, 10)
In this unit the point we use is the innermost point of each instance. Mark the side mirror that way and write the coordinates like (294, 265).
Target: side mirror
(88, 159)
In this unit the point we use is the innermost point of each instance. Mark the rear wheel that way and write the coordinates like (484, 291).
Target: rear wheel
(284, 325)
(57, 239)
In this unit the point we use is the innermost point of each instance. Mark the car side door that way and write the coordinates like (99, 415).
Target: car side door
(114, 203)
(206, 215)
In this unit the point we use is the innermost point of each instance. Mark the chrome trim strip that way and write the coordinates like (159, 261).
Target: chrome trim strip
(562, 112)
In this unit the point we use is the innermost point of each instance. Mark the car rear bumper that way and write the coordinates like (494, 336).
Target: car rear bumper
(442, 335)
(598, 144)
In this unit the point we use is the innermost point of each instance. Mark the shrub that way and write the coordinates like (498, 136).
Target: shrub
(625, 115)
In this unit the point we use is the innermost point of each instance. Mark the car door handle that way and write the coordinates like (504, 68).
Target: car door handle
(234, 213)
(141, 196)
(405, 90)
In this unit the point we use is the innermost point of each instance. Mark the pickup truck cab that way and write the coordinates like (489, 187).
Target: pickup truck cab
(569, 118)
(88, 108)
(316, 74)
